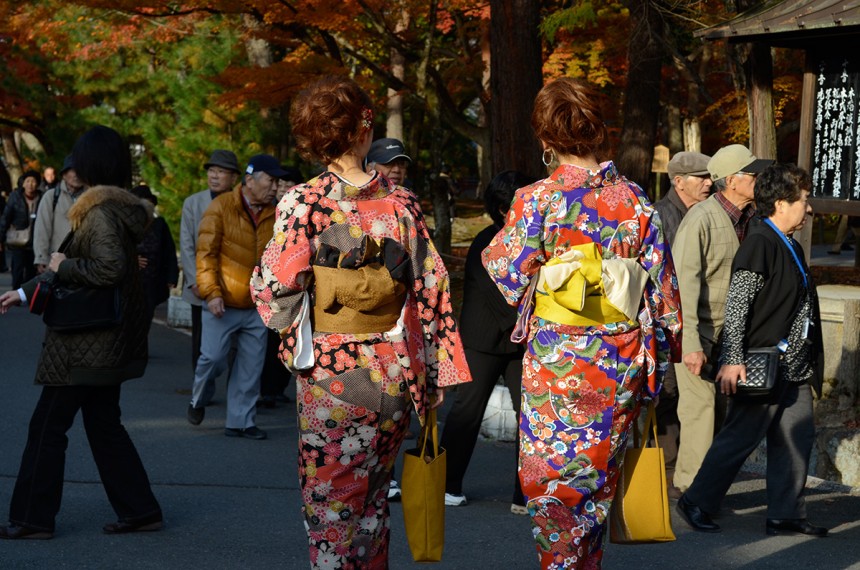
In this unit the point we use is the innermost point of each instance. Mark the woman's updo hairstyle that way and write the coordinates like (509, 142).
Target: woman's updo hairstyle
(568, 120)
(779, 181)
(329, 118)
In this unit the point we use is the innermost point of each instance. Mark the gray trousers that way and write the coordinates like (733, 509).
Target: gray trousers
(785, 419)
(243, 388)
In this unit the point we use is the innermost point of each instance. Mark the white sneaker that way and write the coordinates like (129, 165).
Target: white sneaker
(455, 500)
(394, 491)
(519, 509)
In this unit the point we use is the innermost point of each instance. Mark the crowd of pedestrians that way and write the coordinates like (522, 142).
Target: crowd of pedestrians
(573, 296)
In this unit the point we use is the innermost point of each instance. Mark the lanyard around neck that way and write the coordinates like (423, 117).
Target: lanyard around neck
(791, 248)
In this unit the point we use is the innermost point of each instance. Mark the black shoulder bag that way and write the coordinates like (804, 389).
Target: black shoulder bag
(74, 308)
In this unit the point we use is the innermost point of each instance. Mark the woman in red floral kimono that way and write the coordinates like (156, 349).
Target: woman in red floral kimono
(360, 297)
(583, 255)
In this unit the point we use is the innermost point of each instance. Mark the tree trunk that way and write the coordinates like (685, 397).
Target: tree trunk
(485, 156)
(642, 94)
(441, 215)
(692, 135)
(12, 157)
(394, 120)
(759, 75)
(674, 127)
(515, 79)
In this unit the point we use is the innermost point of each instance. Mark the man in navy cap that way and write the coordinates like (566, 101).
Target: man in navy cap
(233, 233)
(388, 157)
(52, 220)
(222, 173)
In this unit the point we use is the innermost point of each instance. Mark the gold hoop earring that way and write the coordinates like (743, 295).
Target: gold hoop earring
(547, 161)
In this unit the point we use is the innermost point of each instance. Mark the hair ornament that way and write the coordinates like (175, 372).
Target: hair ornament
(367, 118)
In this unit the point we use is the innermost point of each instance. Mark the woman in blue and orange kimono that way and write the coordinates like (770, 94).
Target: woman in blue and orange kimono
(360, 297)
(583, 255)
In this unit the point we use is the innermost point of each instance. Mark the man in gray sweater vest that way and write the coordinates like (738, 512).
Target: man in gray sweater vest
(706, 243)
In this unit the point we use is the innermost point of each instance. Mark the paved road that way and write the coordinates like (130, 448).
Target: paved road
(232, 503)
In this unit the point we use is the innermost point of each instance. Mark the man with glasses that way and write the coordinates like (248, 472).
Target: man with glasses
(388, 157)
(222, 173)
(703, 250)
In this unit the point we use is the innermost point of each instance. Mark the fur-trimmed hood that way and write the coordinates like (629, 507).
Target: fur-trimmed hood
(134, 212)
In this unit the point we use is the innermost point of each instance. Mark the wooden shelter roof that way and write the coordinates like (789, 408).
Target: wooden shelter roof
(790, 23)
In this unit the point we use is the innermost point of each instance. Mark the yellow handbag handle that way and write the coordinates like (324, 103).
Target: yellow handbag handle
(650, 425)
(429, 428)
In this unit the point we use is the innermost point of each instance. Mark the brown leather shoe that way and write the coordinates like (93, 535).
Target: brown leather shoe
(14, 532)
(122, 527)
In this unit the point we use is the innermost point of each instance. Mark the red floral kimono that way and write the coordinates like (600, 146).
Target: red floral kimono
(355, 389)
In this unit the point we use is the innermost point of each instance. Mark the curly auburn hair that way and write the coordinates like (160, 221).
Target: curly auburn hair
(567, 118)
(329, 118)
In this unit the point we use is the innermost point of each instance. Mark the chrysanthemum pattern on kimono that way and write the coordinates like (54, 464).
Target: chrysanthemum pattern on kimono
(583, 385)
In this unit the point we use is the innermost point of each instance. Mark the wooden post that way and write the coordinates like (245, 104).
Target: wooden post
(804, 147)
(848, 372)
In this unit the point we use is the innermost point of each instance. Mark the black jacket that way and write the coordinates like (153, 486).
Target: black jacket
(108, 223)
(17, 215)
(776, 305)
(486, 321)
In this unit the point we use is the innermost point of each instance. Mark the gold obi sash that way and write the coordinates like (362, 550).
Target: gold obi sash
(580, 288)
(356, 301)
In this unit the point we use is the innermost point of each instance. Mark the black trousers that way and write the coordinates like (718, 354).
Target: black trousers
(785, 419)
(21, 263)
(196, 334)
(39, 487)
(275, 377)
(668, 424)
(463, 423)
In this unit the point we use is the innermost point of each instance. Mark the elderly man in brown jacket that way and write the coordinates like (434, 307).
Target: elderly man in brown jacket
(233, 233)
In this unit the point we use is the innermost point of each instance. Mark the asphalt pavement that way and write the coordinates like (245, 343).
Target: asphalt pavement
(234, 503)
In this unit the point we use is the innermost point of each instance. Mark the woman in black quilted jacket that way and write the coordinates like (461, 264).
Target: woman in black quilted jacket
(83, 370)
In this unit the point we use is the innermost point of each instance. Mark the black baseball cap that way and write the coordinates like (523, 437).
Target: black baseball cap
(383, 151)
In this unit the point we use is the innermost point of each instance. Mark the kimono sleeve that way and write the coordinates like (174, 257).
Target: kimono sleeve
(279, 282)
(445, 359)
(661, 323)
(517, 251)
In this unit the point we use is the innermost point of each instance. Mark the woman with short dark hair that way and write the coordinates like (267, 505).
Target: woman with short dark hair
(20, 214)
(584, 258)
(771, 303)
(360, 297)
(82, 370)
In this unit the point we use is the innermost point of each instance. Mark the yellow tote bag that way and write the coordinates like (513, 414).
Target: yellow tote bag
(423, 498)
(640, 511)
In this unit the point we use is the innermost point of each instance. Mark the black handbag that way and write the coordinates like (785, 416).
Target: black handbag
(762, 371)
(76, 308)
(73, 308)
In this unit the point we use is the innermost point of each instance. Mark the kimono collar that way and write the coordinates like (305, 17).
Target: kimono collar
(571, 176)
(339, 189)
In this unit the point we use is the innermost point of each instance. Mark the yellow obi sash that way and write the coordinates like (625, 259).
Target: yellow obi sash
(579, 288)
